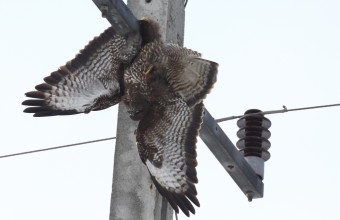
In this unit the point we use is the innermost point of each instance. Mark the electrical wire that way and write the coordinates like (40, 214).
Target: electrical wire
(58, 147)
(284, 110)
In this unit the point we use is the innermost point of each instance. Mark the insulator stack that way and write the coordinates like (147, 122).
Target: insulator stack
(253, 142)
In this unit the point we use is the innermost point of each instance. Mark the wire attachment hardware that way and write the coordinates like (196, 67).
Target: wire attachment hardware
(253, 142)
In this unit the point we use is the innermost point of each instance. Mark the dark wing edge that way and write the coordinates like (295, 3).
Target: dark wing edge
(193, 77)
(166, 142)
(91, 81)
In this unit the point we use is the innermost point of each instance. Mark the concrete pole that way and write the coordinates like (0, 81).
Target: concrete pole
(133, 194)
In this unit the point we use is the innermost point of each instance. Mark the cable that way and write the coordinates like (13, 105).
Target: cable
(284, 110)
(53, 148)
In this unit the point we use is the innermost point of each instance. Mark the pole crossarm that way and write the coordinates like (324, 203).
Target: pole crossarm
(230, 158)
(119, 16)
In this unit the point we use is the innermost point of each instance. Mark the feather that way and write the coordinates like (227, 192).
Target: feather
(162, 86)
(189, 75)
(91, 81)
(167, 134)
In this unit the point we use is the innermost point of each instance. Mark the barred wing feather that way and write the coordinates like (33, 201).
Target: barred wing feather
(91, 81)
(166, 140)
(189, 75)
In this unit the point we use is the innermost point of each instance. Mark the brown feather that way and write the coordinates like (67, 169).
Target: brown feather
(91, 81)
(162, 85)
(35, 94)
(43, 87)
(33, 102)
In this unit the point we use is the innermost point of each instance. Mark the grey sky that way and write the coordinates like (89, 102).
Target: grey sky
(271, 53)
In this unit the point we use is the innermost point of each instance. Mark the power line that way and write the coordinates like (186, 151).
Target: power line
(284, 110)
(58, 147)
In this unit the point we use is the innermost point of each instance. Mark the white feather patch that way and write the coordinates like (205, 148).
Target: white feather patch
(171, 178)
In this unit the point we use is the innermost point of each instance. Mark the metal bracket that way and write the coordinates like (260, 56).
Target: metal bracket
(123, 20)
(230, 158)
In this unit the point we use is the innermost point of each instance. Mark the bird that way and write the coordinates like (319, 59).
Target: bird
(163, 86)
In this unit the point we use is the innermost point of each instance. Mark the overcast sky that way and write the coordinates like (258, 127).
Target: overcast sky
(271, 53)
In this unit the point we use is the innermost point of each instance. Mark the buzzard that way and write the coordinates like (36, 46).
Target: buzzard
(161, 84)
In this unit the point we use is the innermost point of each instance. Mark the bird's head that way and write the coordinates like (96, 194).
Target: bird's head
(137, 106)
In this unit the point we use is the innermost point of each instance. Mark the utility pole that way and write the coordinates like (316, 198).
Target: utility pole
(133, 194)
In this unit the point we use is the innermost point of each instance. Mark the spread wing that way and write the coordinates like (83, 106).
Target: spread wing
(189, 75)
(166, 140)
(91, 81)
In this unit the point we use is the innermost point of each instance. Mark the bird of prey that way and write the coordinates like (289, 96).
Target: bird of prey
(162, 85)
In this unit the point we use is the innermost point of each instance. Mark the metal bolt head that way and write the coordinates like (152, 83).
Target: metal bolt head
(250, 196)
(105, 10)
(230, 167)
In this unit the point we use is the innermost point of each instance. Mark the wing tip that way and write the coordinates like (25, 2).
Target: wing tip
(44, 111)
(179, 200)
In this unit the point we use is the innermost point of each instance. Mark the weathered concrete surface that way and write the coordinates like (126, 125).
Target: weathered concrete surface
(134, 197)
